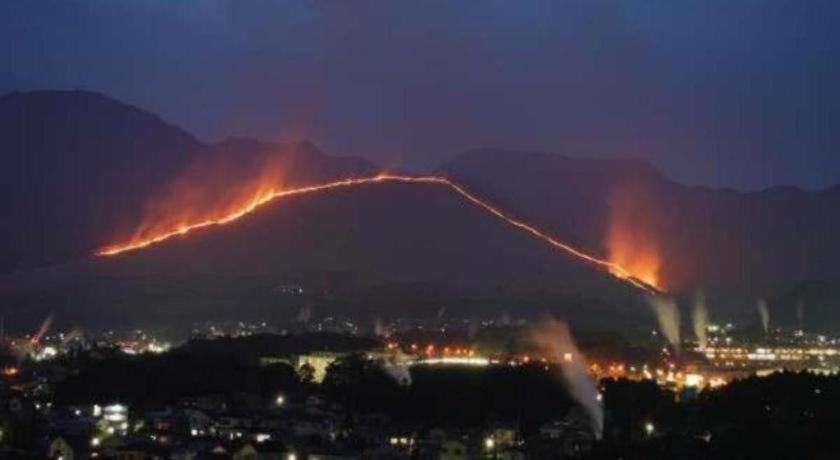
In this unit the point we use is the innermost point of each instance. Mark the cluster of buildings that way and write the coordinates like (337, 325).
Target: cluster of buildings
(291, 428)
(251, 429)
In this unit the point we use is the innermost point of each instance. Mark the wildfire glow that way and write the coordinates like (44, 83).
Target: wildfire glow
(148, 238)
(640, 262)
(631, 243)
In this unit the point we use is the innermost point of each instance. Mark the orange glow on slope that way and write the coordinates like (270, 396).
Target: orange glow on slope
(643, 264)
(265, 196)
(630, 239)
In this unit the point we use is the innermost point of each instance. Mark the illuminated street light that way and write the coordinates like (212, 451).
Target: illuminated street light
(489, 443)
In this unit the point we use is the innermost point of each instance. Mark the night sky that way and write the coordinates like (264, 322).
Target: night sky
(741, 94)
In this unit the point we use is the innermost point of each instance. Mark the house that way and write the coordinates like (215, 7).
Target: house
(68, 448)
(139, 450)
(453, 450)
(261, 451)
(197, 422)
(572, 437)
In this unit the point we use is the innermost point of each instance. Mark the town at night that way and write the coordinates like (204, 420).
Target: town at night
(328, 230)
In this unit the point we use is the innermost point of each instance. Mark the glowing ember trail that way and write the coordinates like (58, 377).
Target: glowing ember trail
(248, 207)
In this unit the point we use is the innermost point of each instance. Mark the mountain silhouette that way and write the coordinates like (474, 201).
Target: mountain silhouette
(753, 243)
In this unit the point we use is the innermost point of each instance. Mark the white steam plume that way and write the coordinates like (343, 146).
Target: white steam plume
(441, 312)
(699, 321)
(379, 329)
(764, 313)
(399, 372)
(668, 317)
(25, 347)
(42, 331)
(304, 314)
(556, 341)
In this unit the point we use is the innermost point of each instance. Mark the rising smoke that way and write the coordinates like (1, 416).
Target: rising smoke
(668, 317)
(25, 347)
(399, 372)
(764, 314)
(556, 341)
(441, 312)
(699, 320)
(379, 328)
(304, 314)
(42, 331)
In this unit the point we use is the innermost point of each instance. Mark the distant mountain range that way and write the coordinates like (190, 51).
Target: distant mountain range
(79, 171)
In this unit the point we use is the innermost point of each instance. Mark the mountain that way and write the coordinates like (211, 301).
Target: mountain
(79, 170)
(381, 249)
(73, 165)
(750, 243)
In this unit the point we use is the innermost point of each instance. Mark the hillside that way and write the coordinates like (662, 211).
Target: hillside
(79, 170)
(74, 165)
(753, 243)
(358, 249)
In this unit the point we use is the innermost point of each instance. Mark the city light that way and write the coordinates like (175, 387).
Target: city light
(489, 443)
(10, 371)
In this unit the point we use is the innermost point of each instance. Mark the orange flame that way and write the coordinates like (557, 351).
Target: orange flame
(630, 241)
(262, 196)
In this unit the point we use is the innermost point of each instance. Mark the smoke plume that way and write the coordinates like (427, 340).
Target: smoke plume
(556, 341)
(25, 347)
(304, 314)
(42, 331)
(668, 317)
(441, 312)
(399, 372)
(699, 321)
(379, 328)
(764, 313)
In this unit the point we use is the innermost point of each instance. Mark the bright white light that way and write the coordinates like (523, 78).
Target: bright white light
(489, 443)
(456, 360)
(115, 408)
(280, 400)
(649, 428)
(693, 380)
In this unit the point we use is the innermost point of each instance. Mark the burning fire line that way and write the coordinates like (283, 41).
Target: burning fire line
(611, 267)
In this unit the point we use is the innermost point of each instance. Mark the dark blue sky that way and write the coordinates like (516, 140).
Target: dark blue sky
(739, 93)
